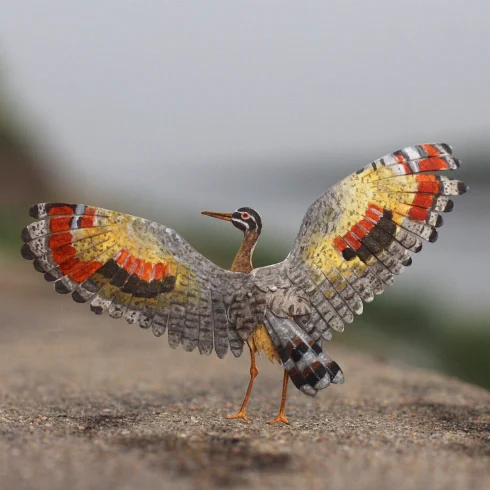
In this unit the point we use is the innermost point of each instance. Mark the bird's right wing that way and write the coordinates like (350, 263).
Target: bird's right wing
(144, 272)
(358, 235)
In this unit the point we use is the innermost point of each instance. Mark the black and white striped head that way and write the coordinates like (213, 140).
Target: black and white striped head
(245, 219)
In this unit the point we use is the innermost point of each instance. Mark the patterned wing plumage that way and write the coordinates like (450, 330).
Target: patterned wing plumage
(358, 235)
(354, 240)
(136, 269)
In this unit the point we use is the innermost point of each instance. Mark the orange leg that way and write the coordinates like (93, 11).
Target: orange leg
(241, 414)
(282, 415)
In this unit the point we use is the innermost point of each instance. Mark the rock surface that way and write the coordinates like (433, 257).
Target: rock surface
(89, 402)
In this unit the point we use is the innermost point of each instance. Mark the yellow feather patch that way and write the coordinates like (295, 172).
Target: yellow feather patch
(260, 340)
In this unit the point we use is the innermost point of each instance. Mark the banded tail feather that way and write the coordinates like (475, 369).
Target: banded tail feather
(307, 364)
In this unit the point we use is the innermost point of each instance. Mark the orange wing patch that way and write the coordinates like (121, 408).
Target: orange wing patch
(399, 198)
(84, 248)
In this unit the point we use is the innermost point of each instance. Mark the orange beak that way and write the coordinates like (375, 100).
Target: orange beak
(223, 216)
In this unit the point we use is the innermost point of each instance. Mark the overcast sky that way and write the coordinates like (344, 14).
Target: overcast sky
(168, 101)
(123, 83)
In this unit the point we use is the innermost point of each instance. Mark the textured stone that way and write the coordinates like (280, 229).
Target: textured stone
(97, 404)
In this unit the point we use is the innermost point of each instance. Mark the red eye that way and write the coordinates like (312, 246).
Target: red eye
(245, 215)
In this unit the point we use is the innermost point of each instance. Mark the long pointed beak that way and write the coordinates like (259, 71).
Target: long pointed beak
(223, 216)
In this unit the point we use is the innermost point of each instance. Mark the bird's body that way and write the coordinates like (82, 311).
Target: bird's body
(353, 240)
(259, 340)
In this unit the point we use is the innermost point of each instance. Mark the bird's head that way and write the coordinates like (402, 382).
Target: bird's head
(245, 219)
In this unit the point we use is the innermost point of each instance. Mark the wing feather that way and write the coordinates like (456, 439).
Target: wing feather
(139, 270)
(353, 241)
(361, 233)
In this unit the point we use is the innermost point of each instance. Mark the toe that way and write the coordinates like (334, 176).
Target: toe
(279, 419)
(239, 416)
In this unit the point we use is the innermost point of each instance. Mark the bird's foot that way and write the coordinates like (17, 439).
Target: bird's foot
(239, 415)
(280, 418)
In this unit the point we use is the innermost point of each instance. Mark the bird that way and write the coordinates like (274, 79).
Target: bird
(353, 240)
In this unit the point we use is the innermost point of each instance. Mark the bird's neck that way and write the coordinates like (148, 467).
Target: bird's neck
(243, 259)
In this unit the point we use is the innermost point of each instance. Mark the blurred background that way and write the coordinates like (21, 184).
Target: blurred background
(163, 109)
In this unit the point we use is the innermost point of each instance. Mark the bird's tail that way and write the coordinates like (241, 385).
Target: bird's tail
(308, 366)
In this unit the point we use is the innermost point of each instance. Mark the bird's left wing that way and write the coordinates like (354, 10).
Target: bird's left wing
(358, 235)
(139, 270)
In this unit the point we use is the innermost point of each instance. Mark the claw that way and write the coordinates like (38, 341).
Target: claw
(280, 418)
(240, 415)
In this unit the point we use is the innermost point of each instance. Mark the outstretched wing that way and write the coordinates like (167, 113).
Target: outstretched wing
(353, 240)
(136, 269)
(358, 235)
